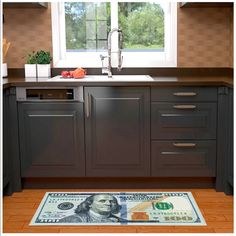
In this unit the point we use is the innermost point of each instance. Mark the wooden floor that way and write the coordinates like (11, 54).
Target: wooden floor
(216, 208)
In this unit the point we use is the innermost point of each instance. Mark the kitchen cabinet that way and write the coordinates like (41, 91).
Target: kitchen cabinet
(117, 131)
(183, 131)
(51, 139)
(183, 120)
(11, 160)
(188, 158)
(6, 161)
(225, 140)
(228, 149)
(230, 161)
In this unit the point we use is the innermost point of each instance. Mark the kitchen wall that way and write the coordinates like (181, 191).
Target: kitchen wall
(205, 35)
(27, 29)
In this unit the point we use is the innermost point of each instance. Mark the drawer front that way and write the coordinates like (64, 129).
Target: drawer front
(183, 158)
(182, 94)
(183, 121)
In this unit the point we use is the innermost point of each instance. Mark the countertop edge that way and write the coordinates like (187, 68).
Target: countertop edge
(162, 81)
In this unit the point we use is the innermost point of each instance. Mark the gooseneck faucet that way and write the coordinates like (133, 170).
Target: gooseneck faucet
(120, 58)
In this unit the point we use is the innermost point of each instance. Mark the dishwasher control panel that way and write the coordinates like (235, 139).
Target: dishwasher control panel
(49, 94)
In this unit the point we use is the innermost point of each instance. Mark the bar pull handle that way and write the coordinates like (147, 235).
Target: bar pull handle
(88, 105)
(185, 94)
(184, 144)
(184, 106)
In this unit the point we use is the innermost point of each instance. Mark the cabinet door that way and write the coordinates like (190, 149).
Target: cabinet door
(6, 156)
(51, 139)
(117, 131)
(230, 161)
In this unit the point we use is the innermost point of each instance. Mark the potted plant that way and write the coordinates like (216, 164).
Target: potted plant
(30, 66)
(43, 59)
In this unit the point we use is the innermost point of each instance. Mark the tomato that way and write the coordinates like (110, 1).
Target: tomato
(65, 74)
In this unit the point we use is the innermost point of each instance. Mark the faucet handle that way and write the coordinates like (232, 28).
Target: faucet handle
(104, 69)
(102, 57)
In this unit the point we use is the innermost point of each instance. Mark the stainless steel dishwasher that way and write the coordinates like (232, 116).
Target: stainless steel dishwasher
(51, 131)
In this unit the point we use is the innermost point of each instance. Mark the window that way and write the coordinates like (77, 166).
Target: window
(87, 25)
(80, 31)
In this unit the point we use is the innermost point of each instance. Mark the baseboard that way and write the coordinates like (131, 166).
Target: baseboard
(131, 183)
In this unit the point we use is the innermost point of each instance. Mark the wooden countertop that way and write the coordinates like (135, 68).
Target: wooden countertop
(157, 81)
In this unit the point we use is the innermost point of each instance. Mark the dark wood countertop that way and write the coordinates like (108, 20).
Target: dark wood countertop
(157, 81)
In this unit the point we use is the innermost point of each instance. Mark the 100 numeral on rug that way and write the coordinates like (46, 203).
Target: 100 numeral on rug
(118, 208)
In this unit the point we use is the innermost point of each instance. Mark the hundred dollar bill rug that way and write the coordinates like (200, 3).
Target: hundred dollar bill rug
(118, 208)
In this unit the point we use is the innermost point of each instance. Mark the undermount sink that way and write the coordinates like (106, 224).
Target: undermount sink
(102, 78)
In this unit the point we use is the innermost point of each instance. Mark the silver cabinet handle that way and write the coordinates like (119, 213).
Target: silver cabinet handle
(88, 104)
(185, 94)
(184, 106)
(184, 144)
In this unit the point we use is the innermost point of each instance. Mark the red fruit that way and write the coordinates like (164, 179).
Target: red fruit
(65, 74)
(79, 73)
(71, 73)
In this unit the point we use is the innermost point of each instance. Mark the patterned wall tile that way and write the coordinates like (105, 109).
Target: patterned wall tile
(205, 37)
(27, 29)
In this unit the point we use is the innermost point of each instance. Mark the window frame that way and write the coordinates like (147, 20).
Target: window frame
(62, 59)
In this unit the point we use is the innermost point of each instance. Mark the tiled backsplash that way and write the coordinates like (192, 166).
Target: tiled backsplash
(27, 29)
(205, 35)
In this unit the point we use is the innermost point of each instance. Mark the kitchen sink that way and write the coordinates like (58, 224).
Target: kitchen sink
(102, 78)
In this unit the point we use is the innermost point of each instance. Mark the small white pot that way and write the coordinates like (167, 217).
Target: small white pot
(4, 70)
(30, 70)
(44, 70)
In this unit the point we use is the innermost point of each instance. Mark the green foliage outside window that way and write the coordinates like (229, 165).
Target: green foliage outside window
(80, 17)
(142, 24)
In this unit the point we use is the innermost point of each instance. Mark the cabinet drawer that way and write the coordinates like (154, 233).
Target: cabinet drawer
(190, 94)
(183, 158)
(183, 120)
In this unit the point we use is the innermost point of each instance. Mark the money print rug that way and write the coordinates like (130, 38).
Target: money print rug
(118, 208)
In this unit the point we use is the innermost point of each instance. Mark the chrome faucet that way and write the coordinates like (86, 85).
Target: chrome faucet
(120, 58)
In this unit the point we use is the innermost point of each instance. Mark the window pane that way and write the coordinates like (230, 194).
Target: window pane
(87, 25)
(142, 24)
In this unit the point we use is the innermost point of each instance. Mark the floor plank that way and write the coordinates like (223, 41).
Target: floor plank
(216, 207)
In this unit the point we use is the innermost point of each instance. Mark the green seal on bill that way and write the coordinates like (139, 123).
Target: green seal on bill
(163, 206)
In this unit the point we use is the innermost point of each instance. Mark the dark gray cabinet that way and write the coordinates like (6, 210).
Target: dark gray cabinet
(183, 131)
(157, 131)
(51, 139)
(183, 120)
(184, 158)
(224, 180)
(6, 156)
(184, 94)
(230, 161)
(11, 160)
(117, 131)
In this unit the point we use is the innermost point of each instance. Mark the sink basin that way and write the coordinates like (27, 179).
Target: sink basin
(104, 78)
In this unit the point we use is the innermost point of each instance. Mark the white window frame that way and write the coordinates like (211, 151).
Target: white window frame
(61, 58)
